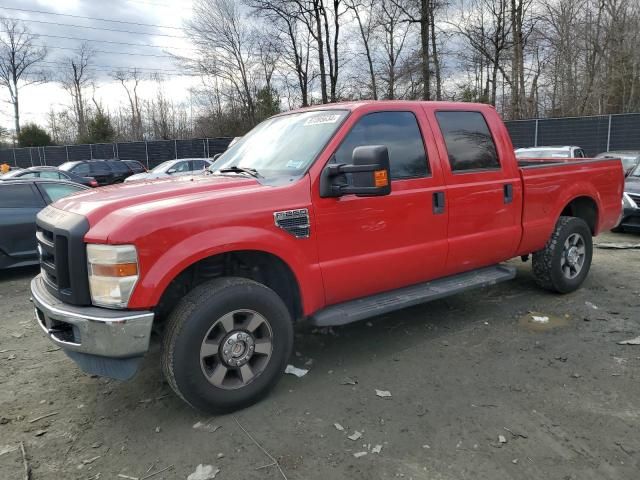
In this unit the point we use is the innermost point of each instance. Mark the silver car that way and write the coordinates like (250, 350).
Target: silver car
(170, 168)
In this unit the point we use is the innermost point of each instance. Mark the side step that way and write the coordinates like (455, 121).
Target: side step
(366, 307)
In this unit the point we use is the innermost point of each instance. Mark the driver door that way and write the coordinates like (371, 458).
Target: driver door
(368, 245)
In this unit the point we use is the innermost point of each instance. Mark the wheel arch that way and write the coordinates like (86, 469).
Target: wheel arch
(584, 207)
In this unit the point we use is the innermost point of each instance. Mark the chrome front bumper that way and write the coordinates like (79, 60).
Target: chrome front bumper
(100, 332)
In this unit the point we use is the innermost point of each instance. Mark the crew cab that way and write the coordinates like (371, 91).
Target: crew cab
(329, 214)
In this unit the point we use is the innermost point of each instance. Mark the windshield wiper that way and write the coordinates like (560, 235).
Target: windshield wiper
(236, 169)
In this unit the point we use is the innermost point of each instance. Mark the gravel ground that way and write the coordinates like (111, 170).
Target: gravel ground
(478, 391)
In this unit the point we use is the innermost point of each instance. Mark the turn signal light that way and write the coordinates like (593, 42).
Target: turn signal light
(116, 270)
(381, 178)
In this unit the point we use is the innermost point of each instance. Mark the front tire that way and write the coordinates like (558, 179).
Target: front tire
(226, 344)
(565, 261)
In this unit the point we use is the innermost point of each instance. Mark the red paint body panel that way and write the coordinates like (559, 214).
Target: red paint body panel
(358, 245)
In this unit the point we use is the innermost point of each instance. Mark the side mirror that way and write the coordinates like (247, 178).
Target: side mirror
(171, 171)
(369, 172)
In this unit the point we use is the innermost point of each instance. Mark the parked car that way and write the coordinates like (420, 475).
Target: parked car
(550, 152)
(630, 221)
(49, 172)
(135, 166)
(20, 201)
(331, 214)
(106, 172)
(183, 166)
(630, 158)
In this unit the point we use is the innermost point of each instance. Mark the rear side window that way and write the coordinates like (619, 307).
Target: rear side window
(47, 174)
(399, 132)
(119, 167)
(55, 191)
(100, 167)
(468, 140)
(19, 196)
(198, 164)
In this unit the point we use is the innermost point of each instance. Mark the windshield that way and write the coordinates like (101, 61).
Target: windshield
(543, 153)
(162, 167)
(281, 147)
(636, 172)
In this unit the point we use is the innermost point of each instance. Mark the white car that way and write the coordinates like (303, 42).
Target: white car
(550, 152)
(170, 168)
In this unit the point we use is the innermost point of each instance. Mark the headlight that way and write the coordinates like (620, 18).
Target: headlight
(113, 272)
(628, 202)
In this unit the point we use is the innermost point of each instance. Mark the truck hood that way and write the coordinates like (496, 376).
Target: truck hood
(136, 198)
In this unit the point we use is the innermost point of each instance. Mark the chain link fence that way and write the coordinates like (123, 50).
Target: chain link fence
(594, 134)
(150, 153)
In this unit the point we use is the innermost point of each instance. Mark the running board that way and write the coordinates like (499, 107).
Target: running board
(382, 303)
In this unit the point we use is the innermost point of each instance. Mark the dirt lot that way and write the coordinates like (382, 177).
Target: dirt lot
(464, 374)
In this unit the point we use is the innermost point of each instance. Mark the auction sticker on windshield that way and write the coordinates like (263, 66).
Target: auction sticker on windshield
(322, 119)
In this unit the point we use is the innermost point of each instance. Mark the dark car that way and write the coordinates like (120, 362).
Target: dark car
(106, 172)
(135, 166)
(630, 221)
(20, 201)
(630, 158)
(52, 173)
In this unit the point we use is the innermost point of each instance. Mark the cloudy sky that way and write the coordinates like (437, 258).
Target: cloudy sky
(63, 25)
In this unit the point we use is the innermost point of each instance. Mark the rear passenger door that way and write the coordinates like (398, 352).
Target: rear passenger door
(19, 204)
(368, 245)
(483, 191)
(101, 172)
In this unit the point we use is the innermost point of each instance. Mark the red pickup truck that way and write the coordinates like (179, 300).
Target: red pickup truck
(330, 214)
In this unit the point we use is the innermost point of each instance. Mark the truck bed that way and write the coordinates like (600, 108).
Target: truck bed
(550, 182)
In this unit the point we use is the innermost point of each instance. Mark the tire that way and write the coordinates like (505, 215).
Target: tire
(555, 267)
(206, 320)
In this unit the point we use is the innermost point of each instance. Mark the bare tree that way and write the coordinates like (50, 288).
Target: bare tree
(19, 58)
(364, 13)
(75, 77)
(389, 17)
(130, 80)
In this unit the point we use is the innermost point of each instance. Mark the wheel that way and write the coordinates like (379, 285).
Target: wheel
(564, 262)
(226, 344)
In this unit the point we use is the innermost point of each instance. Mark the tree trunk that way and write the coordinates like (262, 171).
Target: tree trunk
(424, 44)
(318, 38)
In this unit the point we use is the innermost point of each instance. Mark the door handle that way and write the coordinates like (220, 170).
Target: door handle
(438, 203)
(508, 193)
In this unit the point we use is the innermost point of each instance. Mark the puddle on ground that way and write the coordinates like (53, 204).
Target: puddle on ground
(541, 322)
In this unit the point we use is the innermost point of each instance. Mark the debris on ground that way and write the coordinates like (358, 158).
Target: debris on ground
(617, 246)
(298, 372)
(348, 381)
(502, 439)
(7, 449)
(206, 426)
(339, 427)
(157, 429)
(359, 454)
(355, 436)
(220, 455)
(426, 447)
(204, 472)
(127, 477)
(91, 460)
(591, 305)
(376, 449)
(383, 393)
(39, 433)
(540, 319)
(631, 341)
(575, 375)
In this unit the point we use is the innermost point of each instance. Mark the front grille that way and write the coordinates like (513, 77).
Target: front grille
(63, 259)
(635, 198)
(296, 222)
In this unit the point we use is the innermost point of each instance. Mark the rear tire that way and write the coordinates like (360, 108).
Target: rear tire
(226, 344)
(565, 261)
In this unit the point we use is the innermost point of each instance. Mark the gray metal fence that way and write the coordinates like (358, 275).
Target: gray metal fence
(150, 153)
(594, 134)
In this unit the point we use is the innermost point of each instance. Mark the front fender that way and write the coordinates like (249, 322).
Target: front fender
(160, 268)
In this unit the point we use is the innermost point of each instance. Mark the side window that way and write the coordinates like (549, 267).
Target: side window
(81, 169)
(469, 142)
(399, 132)
(30, 175)
(55, 191)
(119, 167)
(580, 153)
(45, 174)
(19, 196)
(198, 164)
(100, 168)
(181, 167)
